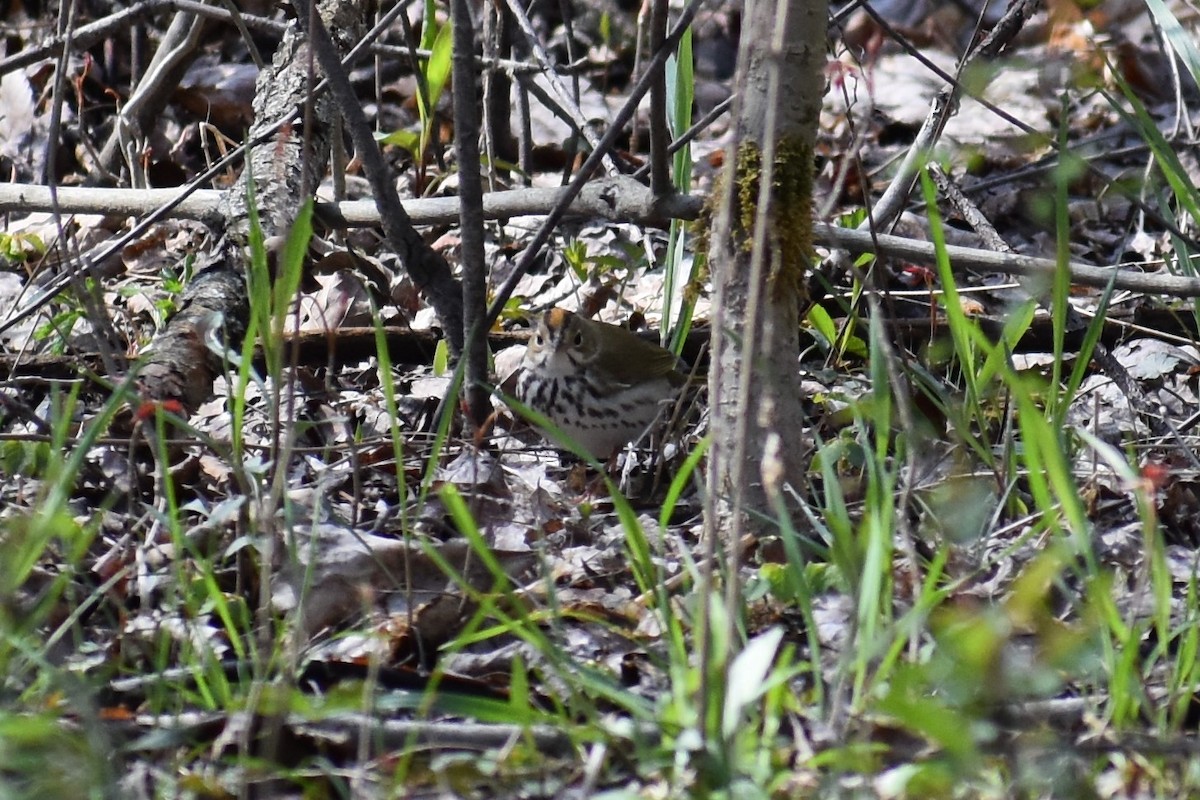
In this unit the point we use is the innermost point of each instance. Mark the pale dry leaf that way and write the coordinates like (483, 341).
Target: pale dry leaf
(340, 571)
(18, 114)
(1151, 359)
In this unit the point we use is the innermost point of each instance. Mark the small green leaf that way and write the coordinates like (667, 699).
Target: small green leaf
(437, 70)
(822, 323)
(575, 254)
(441, 358)
(409, 140)
(513, 309)
(429, 26)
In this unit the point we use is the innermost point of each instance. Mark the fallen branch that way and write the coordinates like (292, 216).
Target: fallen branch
(617, 199)
(1007, 263)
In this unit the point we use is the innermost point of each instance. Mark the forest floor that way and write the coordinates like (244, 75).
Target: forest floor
(302, 579)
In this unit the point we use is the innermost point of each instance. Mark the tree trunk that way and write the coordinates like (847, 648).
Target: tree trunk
(760, 250)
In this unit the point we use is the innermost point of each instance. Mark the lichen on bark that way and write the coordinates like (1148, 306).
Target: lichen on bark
(789, 227)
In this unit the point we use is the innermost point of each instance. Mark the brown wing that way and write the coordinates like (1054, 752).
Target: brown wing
(634, 359)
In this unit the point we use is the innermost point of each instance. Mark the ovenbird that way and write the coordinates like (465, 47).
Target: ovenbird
(602, 385)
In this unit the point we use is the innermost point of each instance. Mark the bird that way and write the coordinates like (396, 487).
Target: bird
(601, 385)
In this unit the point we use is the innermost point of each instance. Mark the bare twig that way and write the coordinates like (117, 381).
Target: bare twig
(169, 199)
(1008, 263)
(95, 32)
(967, 209)
(945, 104)
(660, 134)
(691, 133)
(177, 50)
(470, 211)
(574, 114)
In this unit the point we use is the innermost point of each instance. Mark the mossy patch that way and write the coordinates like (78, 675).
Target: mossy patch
(789, 232)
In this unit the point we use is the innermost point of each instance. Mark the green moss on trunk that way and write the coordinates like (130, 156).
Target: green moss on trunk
(789, 231)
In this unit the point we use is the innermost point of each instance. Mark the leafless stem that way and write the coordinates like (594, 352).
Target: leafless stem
(470, 210)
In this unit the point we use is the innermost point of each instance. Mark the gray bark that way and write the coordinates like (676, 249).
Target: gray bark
(759, 253)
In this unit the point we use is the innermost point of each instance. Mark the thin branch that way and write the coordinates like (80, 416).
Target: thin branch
(660, 133)
(944, 106)
(575, 114)
(920, 252)
(470, 210)
(691, 133)
(95, 32)
(175, 53)
(172, 198)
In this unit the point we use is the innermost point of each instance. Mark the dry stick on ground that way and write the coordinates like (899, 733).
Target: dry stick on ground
(157, 204)
(384, 735)
(1054, 160)
(95, 32)
(211, 211)
(944, 105)
(283, 174)
(921, 252)
(967, 209)
(1001, 35)
(598, 198)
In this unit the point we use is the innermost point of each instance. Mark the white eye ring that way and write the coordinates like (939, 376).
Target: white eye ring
(537, 340)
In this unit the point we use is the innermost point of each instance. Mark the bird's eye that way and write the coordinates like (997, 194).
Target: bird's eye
(579, 339)
(538, 341)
